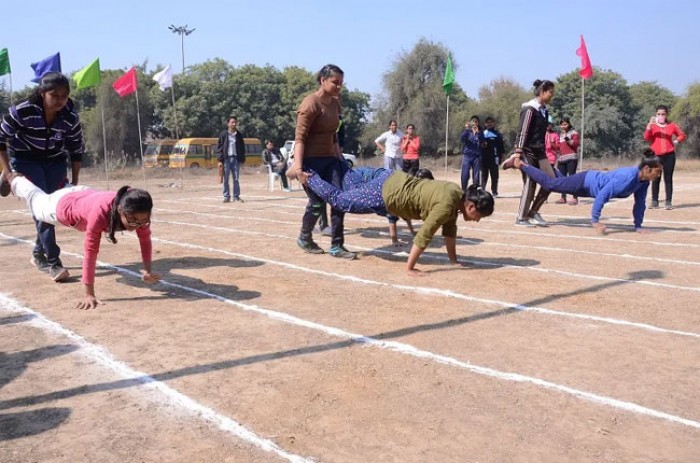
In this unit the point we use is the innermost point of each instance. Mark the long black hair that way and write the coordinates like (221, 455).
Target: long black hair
(131, 200)
(650, 160)
(482, 199)
(49, 81)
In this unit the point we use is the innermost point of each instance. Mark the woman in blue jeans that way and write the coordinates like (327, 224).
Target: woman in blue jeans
(42, 133)
(603, 186)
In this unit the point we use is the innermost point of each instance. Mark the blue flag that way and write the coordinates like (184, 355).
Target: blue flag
(50, 64)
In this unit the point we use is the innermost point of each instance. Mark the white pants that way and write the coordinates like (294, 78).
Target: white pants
(42, 206)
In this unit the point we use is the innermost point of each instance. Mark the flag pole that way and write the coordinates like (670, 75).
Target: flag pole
(104, 144)
(177, 127)
(138, 121)
(583, 108)
(447, 127)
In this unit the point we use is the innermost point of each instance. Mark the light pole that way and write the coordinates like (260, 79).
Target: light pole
(183, 31)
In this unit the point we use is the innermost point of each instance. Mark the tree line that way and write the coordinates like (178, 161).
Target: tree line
(265, 101)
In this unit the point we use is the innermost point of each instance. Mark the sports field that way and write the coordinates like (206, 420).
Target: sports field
(548, 345)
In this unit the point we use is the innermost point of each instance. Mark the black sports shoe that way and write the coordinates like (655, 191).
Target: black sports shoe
(309, 247)
(59, 273)
(340, 251)
(38, 260)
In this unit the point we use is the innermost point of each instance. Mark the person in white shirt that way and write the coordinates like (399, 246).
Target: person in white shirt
(390, 144)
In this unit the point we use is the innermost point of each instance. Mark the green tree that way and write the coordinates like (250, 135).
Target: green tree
(609, 117)
(646, 96)
(414, 94)
(686, 113)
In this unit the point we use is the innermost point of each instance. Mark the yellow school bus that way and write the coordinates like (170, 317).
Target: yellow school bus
(157, 153)
(201, 152)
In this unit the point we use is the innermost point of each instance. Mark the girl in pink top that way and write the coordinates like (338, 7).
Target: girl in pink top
(93, 212)
(410, 146)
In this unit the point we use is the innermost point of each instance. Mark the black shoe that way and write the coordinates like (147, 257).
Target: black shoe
(59, 273)
(340, 251)
(668, 205)
(309, 247)
(38, 260)
(238, 200)
(654, 204)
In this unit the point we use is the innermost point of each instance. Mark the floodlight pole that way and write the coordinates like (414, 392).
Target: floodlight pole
(182, 31)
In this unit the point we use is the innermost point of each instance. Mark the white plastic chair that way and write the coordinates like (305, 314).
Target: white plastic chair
(273, 177)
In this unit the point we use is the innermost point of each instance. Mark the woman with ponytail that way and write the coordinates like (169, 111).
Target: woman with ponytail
(396, 194)
(603, 186)
(93, 212)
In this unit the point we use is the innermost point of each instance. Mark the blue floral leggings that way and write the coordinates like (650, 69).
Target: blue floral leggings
(361, 193)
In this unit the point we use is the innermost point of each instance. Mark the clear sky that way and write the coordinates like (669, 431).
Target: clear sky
(642, 40)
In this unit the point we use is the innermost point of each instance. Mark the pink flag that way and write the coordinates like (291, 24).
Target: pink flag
(126, 84)
(586, 71)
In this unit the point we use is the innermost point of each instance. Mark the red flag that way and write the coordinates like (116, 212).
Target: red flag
(126, 84)
(586, 71)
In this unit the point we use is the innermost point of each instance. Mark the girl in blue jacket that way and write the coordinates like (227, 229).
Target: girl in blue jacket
(603, 186)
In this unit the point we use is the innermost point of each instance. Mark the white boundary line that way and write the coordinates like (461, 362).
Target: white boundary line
(176, 398)
(484, 263)
(403, 348)
(488, 243)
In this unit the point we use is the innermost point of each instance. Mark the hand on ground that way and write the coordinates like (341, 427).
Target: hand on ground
(90, 302)
(149, 277)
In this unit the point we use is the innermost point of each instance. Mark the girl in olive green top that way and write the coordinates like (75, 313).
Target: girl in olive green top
(437, 203)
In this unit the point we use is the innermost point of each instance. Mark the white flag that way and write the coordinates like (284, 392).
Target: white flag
(164, 78)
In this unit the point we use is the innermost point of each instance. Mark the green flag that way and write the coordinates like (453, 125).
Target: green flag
(449, 77)
(89, 76)
(4, 62)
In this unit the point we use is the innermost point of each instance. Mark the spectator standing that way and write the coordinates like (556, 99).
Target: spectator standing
(230, 152)
(390, 144)
(472, 139)
(410, 147)
(660, 133)
(491, 155)
(569, 141)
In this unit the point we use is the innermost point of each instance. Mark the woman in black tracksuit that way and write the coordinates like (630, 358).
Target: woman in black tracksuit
(530, 144)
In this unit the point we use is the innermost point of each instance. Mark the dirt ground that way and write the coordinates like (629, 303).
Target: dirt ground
(548, 345)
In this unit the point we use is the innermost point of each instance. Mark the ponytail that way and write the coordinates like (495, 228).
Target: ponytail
(542, 86)
(131, 200)
(482, 199)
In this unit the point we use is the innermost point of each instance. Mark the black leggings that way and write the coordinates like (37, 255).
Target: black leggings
(668, 161)
(567, 169)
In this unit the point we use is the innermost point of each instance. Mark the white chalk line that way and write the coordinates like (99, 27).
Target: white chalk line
(394, 346)
(176, 399)
(484, 263)
(465, 240)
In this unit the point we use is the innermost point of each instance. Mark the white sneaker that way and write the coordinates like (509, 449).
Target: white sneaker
(537, 219)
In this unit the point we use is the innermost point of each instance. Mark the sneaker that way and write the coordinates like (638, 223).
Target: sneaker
(510, 162)
(573, 202)
(227, 200)
(536, 219)
(560, 201)
(668, 206)
(309, 247)
(340, 251)
(59, 273)
(494, 194)
(287, 190)
(654, 204)
(523, 223)
(239, 200)
(38, 260)
(326, 231)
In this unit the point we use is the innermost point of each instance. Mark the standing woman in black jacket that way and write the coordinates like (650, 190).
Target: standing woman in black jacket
(530, 145)
(40, 135)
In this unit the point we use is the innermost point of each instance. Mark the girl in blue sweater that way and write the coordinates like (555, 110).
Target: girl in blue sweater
(603, 186)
